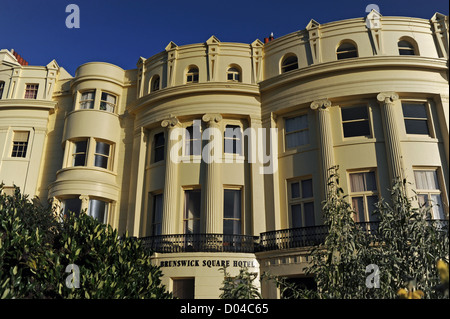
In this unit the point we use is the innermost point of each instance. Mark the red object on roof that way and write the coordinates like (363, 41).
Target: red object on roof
(19, 58)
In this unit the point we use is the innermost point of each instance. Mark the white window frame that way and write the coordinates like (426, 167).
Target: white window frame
(430, 192)
(300, 200)
(363, 193)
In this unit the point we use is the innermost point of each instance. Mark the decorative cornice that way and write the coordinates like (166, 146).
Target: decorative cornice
(320, 104)
(387, 97)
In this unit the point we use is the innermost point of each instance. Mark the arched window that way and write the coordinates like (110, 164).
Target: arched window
(234, 74)
(289, 63)
(192, 75)
(405, 47)
(346, 50)
(155, 83)
(2, 87)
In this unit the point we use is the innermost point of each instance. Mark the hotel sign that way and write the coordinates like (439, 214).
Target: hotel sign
(209, 263)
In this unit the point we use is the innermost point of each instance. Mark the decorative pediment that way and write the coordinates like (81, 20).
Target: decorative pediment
(437, 17)
(373, 19)
(171, 46)
(212, 40)
(257, 43)
(53, 65)
(312, 24)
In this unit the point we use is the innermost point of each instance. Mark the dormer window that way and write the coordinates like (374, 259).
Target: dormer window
(289, 63)
(155, 83)
(406, 48)
(233, 74)
(346, 50)
(192, 75)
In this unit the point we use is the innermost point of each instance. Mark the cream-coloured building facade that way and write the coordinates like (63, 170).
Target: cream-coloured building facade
(368, 94)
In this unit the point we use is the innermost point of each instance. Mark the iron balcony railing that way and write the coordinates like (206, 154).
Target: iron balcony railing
(315, 235)
(201, 243)
(267, 241)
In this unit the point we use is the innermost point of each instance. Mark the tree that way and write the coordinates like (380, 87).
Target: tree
(37, 245)
(239, 287)
(404, 247)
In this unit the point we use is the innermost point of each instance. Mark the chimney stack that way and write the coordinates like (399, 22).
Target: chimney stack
(267, 40)
(19, 58)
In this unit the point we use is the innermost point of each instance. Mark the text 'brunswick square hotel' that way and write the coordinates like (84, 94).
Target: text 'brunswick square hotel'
(368, 94)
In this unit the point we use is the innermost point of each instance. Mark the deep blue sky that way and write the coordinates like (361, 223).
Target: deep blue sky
(120, 31)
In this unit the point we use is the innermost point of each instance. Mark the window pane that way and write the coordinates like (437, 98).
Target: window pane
(232, 204)
(414, 110)
(80, 146)
(72, 205)
(438, 210)
(98, 209)
(231, 227)
(371, 201)
(192, 211)
(358, 207)
(309, 214)
(426, 180)
(184, 288)
(422, 199)
(79, 160)
(159, 154)
(296, 123)
(159, 139)
(358, 128)
(370, 181)
(295, 190)
(354, 113)
(357, 182)
(296, 211)
(297, 139)
(101, 161)
(416, 127)
(307, 190)
(102, 148)
(157, 214)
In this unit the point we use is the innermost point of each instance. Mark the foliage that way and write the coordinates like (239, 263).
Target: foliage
(239, 287)
(405, 247)
(36, 247)
(289, 290)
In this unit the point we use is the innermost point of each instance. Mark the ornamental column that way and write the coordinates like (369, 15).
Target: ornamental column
(392, 141)
(170, 195)
(211, 154)
(325, 140)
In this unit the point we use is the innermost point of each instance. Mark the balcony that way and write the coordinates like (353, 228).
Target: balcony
(182, 243)
(268, 241)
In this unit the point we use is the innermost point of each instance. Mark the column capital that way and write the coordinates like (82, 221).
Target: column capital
(212, 118)
(171, 122)
(320, 104)
(387, 97)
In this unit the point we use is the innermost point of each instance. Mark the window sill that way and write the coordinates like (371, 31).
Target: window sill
(87, 168)
(297, 150)
(419, 138)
